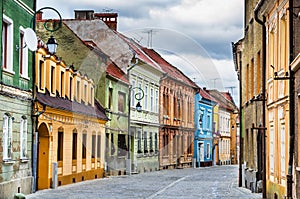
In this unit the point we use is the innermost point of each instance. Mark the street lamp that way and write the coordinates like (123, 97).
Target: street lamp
(52, 45)
(35, 115)
(138, 96)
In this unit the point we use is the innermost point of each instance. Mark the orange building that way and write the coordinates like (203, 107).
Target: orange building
(70, 124)
(176, 135)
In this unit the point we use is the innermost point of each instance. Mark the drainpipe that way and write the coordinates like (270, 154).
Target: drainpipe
(34, 119)
(292, 107)
(2, 10)
(262, 23)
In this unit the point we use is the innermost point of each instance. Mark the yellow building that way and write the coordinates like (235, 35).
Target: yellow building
(277, 89)
(70, 124)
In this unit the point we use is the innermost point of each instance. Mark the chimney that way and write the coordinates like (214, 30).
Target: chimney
(39, 16)
(84, 14)
(110, 19)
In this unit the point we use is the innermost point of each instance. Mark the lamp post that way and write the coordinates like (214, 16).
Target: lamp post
(138, 96)
(36, 114)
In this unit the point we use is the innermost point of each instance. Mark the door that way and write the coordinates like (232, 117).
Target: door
(43, 180)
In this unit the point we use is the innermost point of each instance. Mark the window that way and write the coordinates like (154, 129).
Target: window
(207, 151)
(174, 144)
(122, 148)
(110, 98)
(146, 97)
(92, 95)
(41, 79)
(151, 100)
(156, 101)
(74, 145)
(166, 144)
(23, 137)
(201, 121)
(112, 149)
(60, 145)
(98, 146)
(145, 143)
(70, 90)
(52, 84)
(271, 155)
(23, 55)
(208, 122)
(151, 142)
(93, 154)
(282, 150)
(7, 43)
(7, 137)
(121, 102)
(139, 136)
(62, 84)
(78, 91)
(84, 146)
(85, 95)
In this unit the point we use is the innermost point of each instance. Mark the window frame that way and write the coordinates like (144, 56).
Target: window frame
(7, 54)
(23, 55)
(7, 137)
(23, 137)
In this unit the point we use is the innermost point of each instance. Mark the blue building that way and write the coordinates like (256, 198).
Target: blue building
(203, 142)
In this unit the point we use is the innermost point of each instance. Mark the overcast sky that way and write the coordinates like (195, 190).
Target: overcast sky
(193, 35)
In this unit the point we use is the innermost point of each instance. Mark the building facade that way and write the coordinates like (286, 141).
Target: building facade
(111, 88)
(70, 124)
(16, 99)
(277, 89)
(176, 116)
(203, 143)
(248, 57)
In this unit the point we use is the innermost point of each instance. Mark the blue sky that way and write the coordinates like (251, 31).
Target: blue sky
(194, 35)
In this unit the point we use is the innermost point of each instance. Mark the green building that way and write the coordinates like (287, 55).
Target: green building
(16, 99)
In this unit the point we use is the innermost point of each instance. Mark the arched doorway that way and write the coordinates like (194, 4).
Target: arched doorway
(43, 180)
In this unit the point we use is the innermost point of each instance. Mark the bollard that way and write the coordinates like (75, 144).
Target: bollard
(54, 175)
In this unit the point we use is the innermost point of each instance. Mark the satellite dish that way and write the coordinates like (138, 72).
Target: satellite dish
(30, 39)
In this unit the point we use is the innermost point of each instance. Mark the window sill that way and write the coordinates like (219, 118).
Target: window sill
(24, 160)
(8, 162)
(25, 77)
(8, 71)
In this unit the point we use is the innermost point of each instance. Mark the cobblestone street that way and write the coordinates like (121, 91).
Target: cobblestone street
(209, 182)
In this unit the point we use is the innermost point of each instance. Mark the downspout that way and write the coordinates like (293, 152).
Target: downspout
(241, 156)
(262, 23)
(2, 9)
(34, 119)
(292, 106)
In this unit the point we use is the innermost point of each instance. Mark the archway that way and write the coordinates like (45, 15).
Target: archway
(43, 180)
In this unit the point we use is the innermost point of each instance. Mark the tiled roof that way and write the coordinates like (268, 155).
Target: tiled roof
(206, 95)
(72, 106)
(220, 99)
(138, 49)
(171, 70)
(113, 70)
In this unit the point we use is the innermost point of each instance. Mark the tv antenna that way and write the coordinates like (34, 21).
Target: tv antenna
(231, 88)
(150, 34)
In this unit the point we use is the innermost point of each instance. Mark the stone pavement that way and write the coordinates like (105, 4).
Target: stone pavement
(207, 183)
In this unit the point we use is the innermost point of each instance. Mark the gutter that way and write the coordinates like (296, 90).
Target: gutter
(34, 119)
(291, 105)
(264, 48)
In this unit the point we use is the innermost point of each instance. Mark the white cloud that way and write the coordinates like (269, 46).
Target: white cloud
(196, 33)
